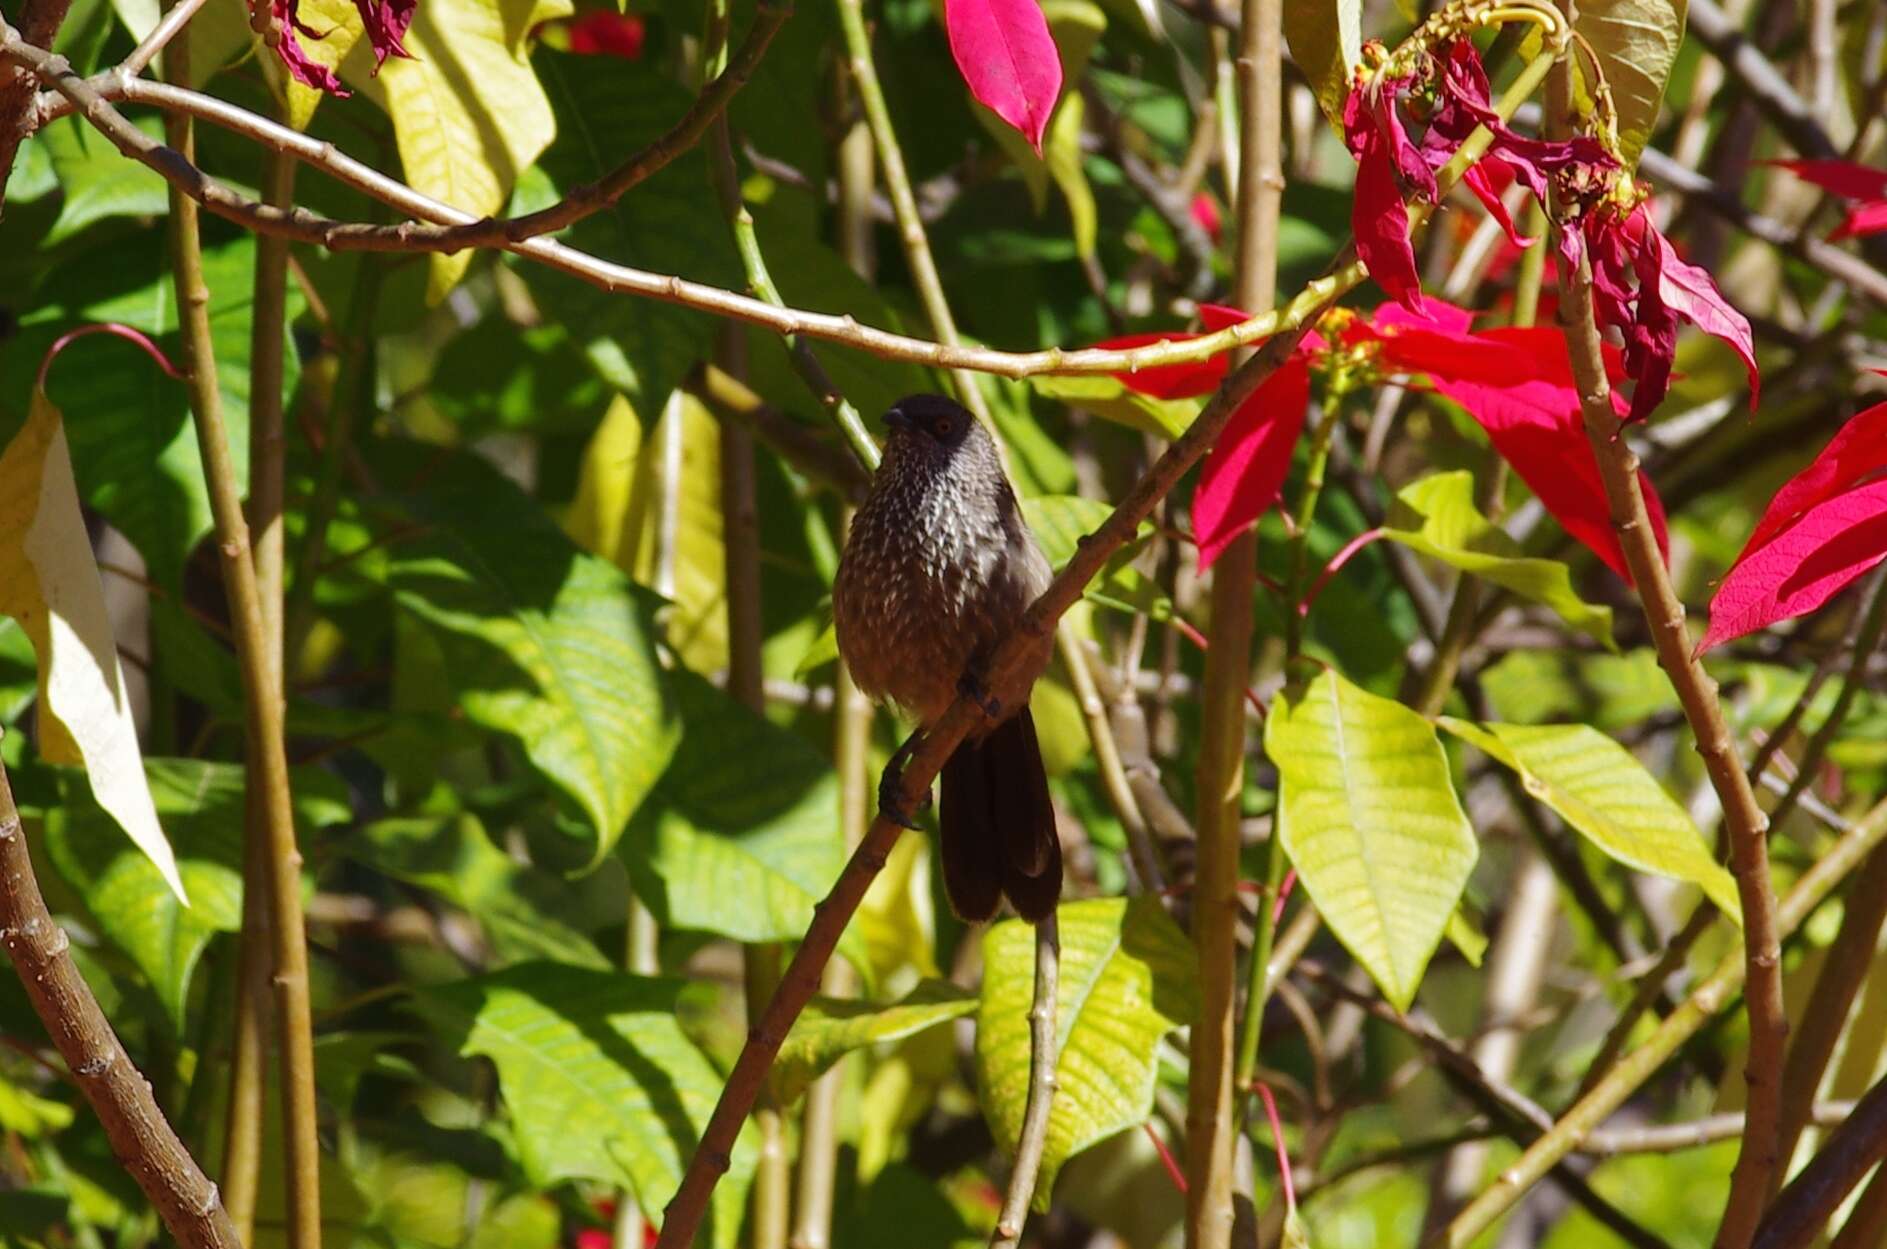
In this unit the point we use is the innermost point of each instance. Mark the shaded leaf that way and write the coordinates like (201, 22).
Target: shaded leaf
(600, 1081)
(1601, 789)
(1437, 517)
(1368, 814)
(830, 1028)
(1127, 979)
(201, 805)
(97, 180)
(1059, 522)
(542, 641)
(453, 857)
(1326, 41)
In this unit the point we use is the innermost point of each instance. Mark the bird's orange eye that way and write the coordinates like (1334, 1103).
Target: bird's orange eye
(943, 426)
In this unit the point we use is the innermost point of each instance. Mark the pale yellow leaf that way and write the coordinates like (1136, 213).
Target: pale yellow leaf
(218, 33)
(618, 514)
(337, 25)
(468, 112)
(49, 583)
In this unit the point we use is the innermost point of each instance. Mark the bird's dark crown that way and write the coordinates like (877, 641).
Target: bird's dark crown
(943, 421)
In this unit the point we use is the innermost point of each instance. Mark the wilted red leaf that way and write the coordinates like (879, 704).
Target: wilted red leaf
(1245, 470)
(1008, 59)
(385, 23)
(1689, 291)
(1487, 178)
(1378, 217)
(1802, 567)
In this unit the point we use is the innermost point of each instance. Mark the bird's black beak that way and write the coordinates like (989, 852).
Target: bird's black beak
(895, 418)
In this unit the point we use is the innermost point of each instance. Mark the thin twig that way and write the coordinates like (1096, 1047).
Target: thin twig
(712, 1155)
(1042, 1059)
(243, 1115)
(1803, 1209)
(1222, 1059)
(142, 1139)
(1715, 992)
(304, 226)
(174, 20)
(1697, 693)
(262, 699)
(1866, 641)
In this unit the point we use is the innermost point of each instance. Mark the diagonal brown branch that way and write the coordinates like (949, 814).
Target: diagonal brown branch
(121, 1097)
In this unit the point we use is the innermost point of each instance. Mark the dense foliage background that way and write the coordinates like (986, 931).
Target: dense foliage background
(571, 756)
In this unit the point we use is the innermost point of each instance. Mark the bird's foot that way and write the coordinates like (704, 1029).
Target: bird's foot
(891, 787)
(970, 685)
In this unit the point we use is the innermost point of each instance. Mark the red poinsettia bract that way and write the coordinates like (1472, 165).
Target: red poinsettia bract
(1245, 470)
(1007, 59)
(608, 33)
(1823, 529)
(385, 23)
(1849, 181)
(1518, 386)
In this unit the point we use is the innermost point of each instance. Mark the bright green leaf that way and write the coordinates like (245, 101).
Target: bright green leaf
(1326, 41)
(739, 851)
(1636, 42)
(830, 1028)
(96, 179)
(1369, 816)
(1601, 789)
(542, 641)
(1127, 979)
(1437, 517)
(1465, 937)
(600, 1081)
(1059, 522)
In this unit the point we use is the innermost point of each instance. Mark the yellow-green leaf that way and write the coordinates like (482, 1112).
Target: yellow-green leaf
(1437, 517)
(1326, 41)
(49, 583)
(830, 1028)
(217, 33)
(1127, 979)
(468, 112)
(1062, 153)
(1369, 816)
(618, 515)
(1599, 788)
(1108, 398)
(1635, 42)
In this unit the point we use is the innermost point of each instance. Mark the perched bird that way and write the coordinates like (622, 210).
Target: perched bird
(938, 569)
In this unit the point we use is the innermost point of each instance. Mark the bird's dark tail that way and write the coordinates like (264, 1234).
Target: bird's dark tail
(999, 825)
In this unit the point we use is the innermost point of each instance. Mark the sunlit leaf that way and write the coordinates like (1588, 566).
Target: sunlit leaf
(49, 584)
(830, 1028)
(1111, 399)
(1636, 42)
(618, 514)
(1437, 517)
(1601, 789)
(1008, 59)
(1127, 979)
(1245, 470)
(468, 112)
(1368, 814)
(599, 1079)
